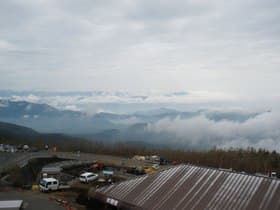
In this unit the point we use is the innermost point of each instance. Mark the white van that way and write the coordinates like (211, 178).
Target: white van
(88, 177)
(51, 184)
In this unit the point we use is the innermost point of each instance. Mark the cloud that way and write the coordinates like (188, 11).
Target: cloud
(127, 121)
(29, 98)
(92, 101)
(262, 131)
(72, 108)
(214, 46)
(89, 101)
(4, 45)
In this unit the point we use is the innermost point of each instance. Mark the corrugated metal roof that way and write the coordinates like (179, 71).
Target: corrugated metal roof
(192, 187)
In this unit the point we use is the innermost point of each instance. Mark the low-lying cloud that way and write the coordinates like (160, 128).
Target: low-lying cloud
(262, 131)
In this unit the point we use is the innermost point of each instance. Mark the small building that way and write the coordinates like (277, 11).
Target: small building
(7, 148)
(54, 172)
(139, 157)
(11, 205)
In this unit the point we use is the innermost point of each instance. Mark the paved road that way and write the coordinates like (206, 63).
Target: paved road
(21, 159)
(7, 159)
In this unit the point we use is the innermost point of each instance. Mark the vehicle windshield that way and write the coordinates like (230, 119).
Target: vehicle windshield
(43, 182)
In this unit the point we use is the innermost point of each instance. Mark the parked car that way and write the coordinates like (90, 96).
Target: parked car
(25, 147)
(88, 177)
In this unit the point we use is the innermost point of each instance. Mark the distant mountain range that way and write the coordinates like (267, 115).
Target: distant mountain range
(107, 127)
(47, 119)
(16, 134)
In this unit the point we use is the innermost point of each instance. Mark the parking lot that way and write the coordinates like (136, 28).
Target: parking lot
(76, 164)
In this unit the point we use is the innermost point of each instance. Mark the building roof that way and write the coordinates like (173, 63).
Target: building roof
(51, 170)
(87, 174)
(192, 187)
(10, 204)
(50, 179)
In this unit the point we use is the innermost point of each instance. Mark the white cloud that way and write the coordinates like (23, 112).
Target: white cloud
(128, 121)
(85, 100)
(261, 131)
(29, 97)
(72, 108)
(217, 46)
(3, 104)
(4, 45)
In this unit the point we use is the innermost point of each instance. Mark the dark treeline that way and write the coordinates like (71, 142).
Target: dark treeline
(248, 160)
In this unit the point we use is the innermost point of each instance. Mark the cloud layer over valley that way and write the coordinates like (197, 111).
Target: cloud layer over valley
(261, 131)
(115, 117)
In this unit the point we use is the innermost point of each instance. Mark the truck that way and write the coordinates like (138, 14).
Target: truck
(51, 184)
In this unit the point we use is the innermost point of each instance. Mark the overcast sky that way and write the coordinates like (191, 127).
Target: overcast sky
(229, 48)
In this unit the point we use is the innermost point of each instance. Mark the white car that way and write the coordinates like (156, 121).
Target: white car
(88, 177)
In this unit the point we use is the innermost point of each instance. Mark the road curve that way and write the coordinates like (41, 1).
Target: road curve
(21, 158)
